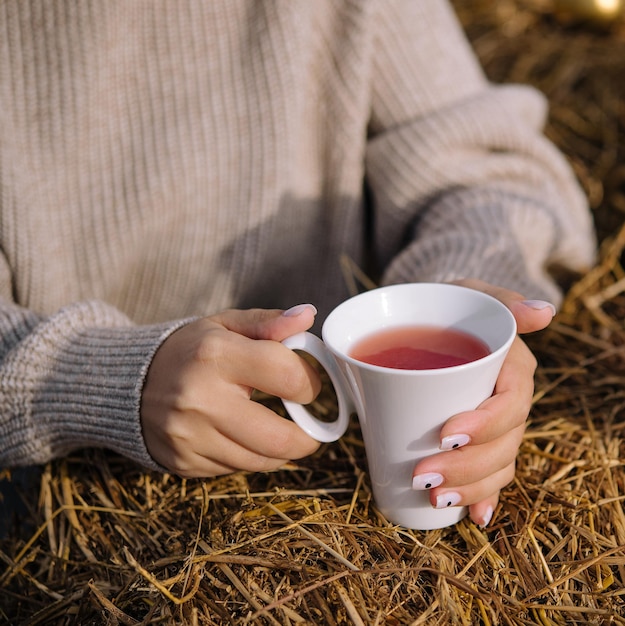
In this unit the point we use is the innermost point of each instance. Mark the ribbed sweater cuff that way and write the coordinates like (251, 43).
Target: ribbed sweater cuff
(102, 406)
(85, 390)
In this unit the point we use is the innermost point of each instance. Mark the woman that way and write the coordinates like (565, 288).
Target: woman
(176, 177)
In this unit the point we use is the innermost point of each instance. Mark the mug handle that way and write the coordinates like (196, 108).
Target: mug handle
(321, 431)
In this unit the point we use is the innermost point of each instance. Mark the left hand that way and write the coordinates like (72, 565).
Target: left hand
(480, 446)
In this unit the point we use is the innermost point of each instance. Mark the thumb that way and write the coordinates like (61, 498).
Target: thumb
(274, 324)
(530, 315)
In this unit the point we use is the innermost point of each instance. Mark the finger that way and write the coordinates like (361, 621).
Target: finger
(468, 465)
(264, 435)
(188, 464)
(279, 371)
(482, 512)
(485, 490)
(530, 315)
(173, 446)
(247, 436)
(224, 457)
(259, 364)
(273, 324)
(507, 408)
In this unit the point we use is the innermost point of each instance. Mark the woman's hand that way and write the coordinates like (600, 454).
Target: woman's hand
(196, 413)
(481, 445)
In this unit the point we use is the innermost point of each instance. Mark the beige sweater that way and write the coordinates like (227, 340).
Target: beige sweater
(163, 159)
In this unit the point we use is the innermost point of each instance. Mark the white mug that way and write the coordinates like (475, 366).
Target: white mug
(401, 411)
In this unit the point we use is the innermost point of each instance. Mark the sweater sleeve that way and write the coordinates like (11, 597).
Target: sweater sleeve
(463, 180)
(73, 380)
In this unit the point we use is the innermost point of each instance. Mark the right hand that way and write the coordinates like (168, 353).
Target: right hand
(196, 413)
(475, 473)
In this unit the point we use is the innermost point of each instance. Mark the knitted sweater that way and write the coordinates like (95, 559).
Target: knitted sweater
(163, 160)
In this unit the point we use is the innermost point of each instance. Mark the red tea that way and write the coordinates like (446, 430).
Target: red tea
(419, 348)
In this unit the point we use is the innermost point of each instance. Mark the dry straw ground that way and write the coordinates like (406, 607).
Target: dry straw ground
(102, 542)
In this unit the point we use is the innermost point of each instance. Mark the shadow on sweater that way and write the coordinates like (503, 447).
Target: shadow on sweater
(294, 255)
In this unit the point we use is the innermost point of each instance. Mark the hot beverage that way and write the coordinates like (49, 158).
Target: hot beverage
(419, 348)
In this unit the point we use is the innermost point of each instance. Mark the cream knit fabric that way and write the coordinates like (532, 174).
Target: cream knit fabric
(163, 159)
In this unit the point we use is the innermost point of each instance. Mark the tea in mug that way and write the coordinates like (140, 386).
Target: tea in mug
(419, 348)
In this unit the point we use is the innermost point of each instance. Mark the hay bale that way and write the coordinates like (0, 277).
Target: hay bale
(100, 541)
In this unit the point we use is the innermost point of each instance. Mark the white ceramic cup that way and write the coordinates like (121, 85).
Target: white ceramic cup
(401, 412)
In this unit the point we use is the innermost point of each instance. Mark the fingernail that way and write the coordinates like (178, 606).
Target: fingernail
(426, 481)
(454, 441)
(298, 309)
(539, 305)
(451, 498)
(488, 515)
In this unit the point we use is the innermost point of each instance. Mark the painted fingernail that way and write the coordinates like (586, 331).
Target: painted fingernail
(426, 481)
(450, 498)
(454, 441)
(298, 309)
(539, 305)
(488, 515)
